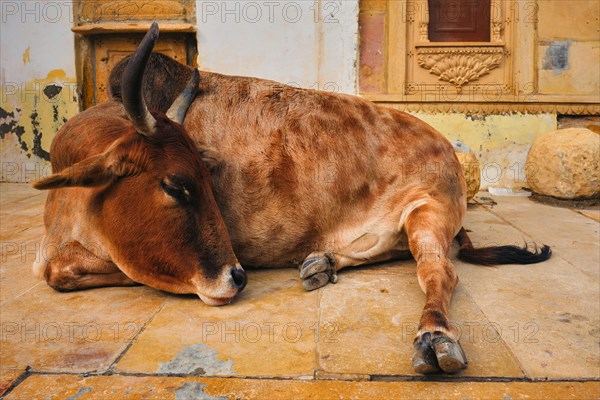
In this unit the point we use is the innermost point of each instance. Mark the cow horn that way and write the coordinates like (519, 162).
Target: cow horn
(181, 104)
(131, 85)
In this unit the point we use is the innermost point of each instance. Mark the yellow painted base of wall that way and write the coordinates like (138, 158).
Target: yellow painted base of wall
(501, 142)
(30, 115)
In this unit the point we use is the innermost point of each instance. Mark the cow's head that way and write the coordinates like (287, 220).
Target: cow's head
(149, 197)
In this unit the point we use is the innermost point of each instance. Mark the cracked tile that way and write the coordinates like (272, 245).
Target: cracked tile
(8, 375)
(14, 192)
(268, 331)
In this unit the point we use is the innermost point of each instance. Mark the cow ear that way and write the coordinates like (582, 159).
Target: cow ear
(93, 171)
(210, 156)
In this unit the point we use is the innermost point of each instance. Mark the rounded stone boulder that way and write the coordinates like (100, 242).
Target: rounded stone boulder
(470, 167)
(565, 164)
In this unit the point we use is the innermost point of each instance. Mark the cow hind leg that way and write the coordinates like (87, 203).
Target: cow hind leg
(76, 268)
(436, 347)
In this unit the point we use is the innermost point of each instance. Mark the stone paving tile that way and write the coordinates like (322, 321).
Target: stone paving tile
(398, 267)
(16, 276)
(11, 192)
(17, 254)
(590, 213)
(8, 376)
(30, 206)
(369, 321)
(268, 331)
(20, 236)
(73, 332)
(16, 227)
(573, 236)
(547, 316)
(547, 313)
(51, 387)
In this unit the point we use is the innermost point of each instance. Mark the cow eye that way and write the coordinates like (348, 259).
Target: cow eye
(175, 188)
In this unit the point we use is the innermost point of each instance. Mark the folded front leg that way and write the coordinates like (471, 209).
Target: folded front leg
(318, 270)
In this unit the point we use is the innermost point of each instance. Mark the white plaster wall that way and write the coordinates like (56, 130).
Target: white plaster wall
(42, 26)
(312, 44)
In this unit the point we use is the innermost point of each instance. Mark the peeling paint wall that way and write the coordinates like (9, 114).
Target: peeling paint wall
(309, 43)
(500, 142)
(38, 84)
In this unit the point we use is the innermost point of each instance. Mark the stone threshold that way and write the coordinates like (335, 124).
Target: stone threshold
(32, 384)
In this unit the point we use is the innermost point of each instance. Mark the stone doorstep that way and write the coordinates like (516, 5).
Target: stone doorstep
(62, 386)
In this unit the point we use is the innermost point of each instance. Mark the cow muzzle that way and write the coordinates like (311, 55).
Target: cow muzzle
(239, 277)
(233, 281)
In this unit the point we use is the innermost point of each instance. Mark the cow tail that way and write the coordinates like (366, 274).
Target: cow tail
(494, 255)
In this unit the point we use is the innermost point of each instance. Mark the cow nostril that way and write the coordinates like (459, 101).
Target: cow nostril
(239, 278)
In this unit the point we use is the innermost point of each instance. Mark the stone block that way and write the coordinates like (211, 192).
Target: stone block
(565, 164)
(470, 165)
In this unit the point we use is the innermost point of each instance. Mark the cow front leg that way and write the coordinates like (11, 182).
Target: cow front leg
(436, 346)
(318, 270)
(76, 268)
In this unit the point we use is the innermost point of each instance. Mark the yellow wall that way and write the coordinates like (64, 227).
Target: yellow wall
(549, 65)
(569, 47)
(500, 142)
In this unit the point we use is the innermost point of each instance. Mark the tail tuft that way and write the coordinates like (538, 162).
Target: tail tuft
(493, 255)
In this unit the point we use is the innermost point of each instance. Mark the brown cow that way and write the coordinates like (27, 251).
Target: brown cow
(131, 201)
(324, 181)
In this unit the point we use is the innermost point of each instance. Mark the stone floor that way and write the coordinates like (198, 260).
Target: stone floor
(529, 331)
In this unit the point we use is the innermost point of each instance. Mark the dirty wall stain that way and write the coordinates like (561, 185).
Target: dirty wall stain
(27, 55)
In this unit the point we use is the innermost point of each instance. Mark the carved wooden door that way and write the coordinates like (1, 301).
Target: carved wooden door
(109, 30)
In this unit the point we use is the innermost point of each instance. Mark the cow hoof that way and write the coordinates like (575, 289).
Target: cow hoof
(437, 353)
(424, 359)
(314, 265)
(316, 281)
(450, 355)
(316, 272)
